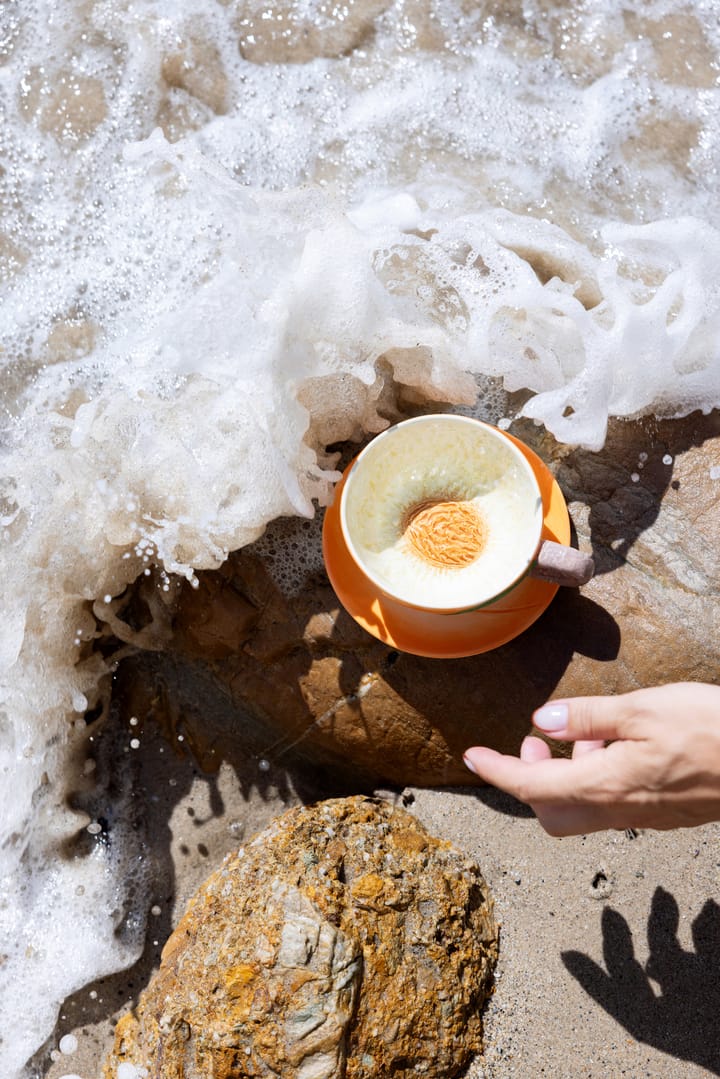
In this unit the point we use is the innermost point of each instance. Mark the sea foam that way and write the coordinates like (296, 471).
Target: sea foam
(233, 234)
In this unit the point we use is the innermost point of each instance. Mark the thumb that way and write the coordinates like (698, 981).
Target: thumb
(583, 718)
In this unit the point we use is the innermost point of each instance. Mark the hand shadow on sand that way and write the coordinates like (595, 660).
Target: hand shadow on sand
(673, 1002)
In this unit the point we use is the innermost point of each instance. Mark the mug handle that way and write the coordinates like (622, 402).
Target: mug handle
(562, 565)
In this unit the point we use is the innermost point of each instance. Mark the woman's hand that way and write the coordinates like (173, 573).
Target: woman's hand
(661, 770)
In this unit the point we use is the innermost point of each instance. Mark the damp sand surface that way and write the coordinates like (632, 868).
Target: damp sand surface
(583, 921)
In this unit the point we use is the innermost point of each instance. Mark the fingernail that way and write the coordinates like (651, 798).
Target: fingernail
(551, 717)
(469, 764)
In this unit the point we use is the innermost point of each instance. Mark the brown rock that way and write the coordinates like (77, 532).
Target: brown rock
(64, 103)
(288, 33)
(249, 671)
(196, 68)
(343, 940)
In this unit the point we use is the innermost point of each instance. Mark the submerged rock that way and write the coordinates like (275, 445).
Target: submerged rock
(343, 940)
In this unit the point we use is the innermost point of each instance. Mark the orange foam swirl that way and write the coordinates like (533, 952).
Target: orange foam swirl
(445, 534)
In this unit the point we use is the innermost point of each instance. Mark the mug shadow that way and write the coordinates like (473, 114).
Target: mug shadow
(671, 1003)
(489, 699)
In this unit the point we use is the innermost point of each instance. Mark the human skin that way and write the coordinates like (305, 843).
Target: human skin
(661, 768)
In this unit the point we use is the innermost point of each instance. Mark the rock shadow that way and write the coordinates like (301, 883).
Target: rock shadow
(671, 1003)
(624, 484)
(160, 773)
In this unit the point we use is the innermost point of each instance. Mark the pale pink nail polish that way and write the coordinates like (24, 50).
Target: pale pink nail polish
(469, 764)
(551, 717)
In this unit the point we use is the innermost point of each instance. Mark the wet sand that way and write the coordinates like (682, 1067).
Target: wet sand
(584, 921)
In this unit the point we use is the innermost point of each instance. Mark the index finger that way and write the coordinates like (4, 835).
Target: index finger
(556, 780)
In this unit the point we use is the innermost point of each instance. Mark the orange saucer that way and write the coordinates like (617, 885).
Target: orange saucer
(445, 636)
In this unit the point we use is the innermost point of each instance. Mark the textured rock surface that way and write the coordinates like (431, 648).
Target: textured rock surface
(246, 671)
(343, 940)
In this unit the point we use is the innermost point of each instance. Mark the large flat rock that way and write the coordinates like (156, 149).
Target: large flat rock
(245, 669)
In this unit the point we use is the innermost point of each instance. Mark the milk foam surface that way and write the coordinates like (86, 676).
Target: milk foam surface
(437, 461)
(232, 234)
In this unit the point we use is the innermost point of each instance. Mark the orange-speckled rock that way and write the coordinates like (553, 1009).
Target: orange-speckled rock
(343, 940)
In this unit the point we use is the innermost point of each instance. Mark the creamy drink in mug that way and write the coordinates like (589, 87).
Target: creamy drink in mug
(444, 513)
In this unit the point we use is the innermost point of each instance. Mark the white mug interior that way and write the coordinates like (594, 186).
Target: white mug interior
(442, 512)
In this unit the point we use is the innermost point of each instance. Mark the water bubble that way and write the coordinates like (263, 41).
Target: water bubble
(264, 765)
